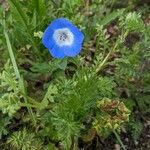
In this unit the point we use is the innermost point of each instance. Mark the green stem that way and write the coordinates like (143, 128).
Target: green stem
(22, 87)
(28, 105)
(119, 140)
(111, 51)
(16, 70)
(12, 57)
(106, 58)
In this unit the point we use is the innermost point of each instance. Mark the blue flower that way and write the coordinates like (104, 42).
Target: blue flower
(62, 38)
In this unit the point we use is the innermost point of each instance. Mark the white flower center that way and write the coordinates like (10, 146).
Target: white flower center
(63, 37)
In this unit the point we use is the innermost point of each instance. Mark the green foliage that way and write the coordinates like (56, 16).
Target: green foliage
(113, 67)
(132, 69)
(27, 19)
(134, 22)
(10, 96)
(24, 140)
(110, 17)
(106, 86)
(75, 103)
(49, 96)
(20, 18)
(72, 7)
(101, 39)
(3, 125)
(65, 124)
(144, 103)
(135, 128)
(39, 11)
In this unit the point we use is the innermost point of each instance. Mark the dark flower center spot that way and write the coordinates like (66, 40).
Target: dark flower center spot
(63, 36)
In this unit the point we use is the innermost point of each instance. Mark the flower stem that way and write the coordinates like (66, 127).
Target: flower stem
(119, 140)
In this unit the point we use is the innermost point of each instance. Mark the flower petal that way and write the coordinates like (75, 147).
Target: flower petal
(47, 38)
(65, 23)
(57, 52)
(72, 50)
(60, 23)
(78, 35)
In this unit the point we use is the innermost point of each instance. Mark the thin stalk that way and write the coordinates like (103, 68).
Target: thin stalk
(22, 87)
(12, 57)
(16, 70)
(111, 51)
(32, 101)
(119, 140)
(28, 105)
(35, 106)
(106, 58)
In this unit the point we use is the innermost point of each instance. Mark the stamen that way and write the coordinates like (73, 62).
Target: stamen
(63, 37)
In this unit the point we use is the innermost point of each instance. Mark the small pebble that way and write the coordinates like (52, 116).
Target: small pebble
(126, 139)
(117, 147)
(147, 135)
(123, 130)
(136, 142)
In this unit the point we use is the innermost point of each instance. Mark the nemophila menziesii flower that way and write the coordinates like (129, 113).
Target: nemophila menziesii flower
(62, 38)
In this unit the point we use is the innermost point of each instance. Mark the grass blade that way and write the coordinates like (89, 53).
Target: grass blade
(12, 57)
(110, 17)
